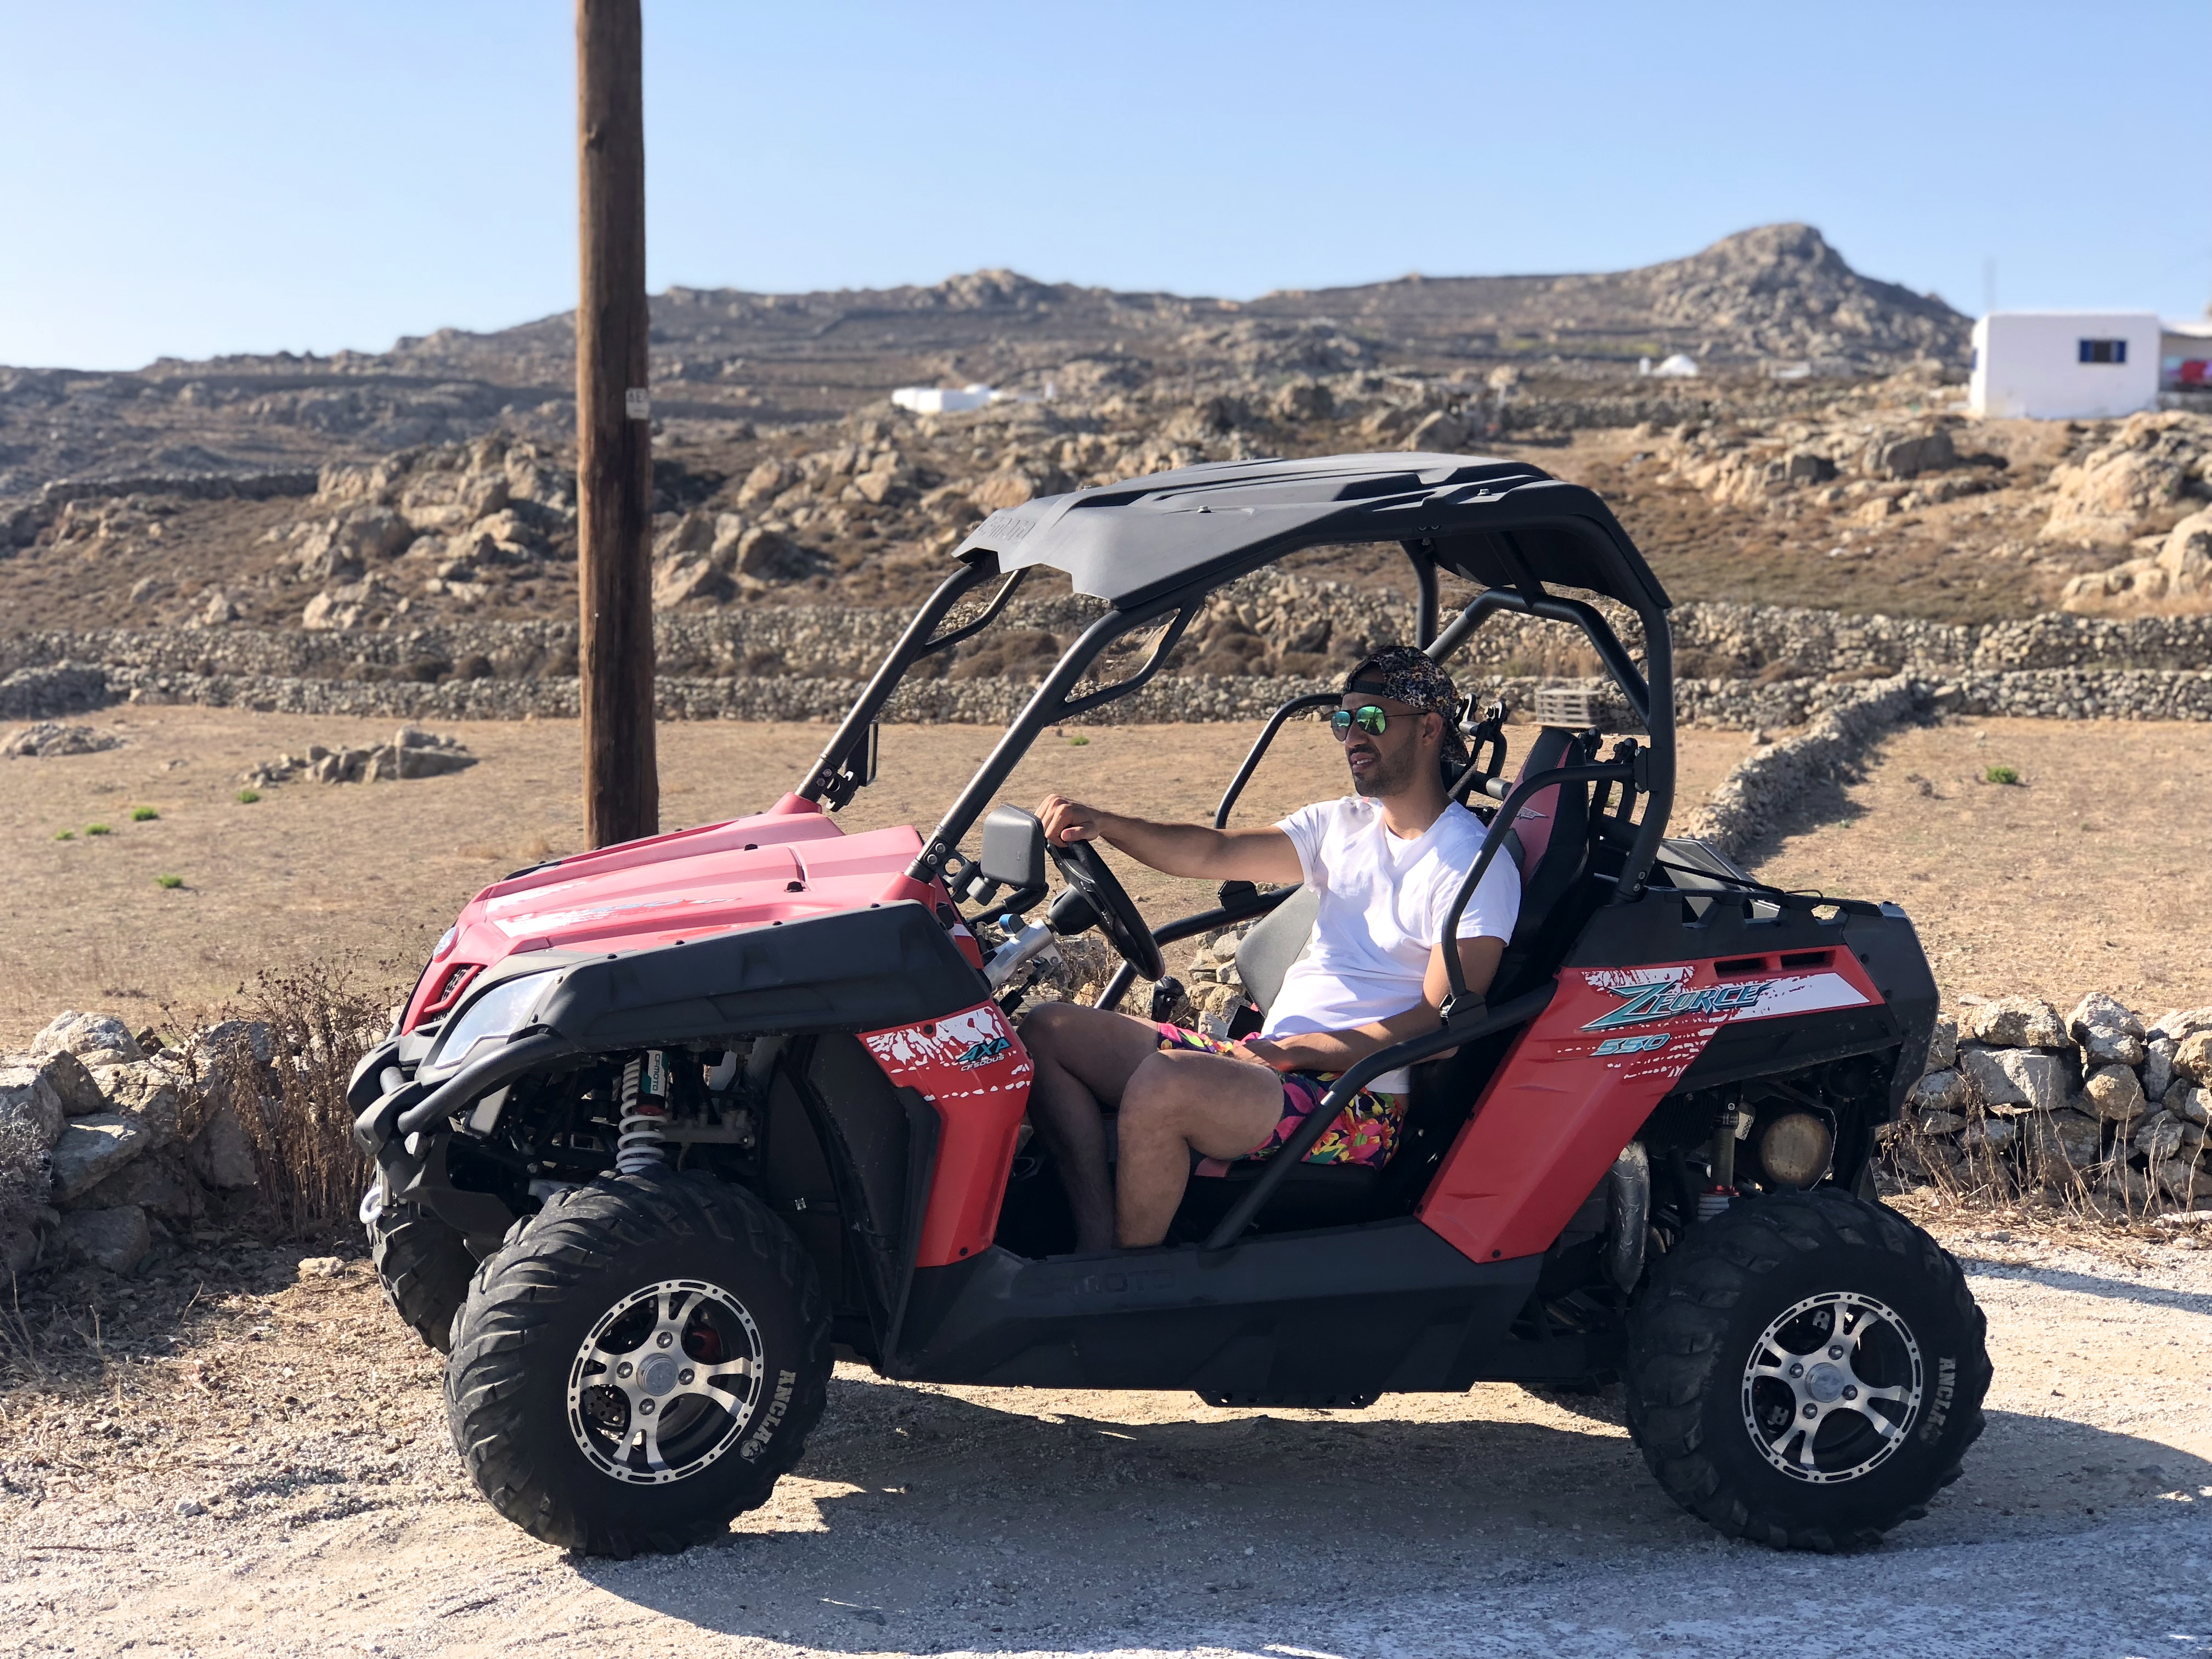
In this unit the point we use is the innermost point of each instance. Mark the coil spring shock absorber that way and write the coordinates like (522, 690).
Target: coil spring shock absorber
(639, 1148)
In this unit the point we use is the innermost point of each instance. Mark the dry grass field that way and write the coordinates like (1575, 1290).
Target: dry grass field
(2094, 871)
(376, 871)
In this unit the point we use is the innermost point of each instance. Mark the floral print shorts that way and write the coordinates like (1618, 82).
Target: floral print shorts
(1365, 1132)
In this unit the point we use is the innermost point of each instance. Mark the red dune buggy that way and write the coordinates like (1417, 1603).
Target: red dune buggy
(664, 1127)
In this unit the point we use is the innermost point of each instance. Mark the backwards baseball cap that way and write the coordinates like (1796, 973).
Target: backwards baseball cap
(1407, 674)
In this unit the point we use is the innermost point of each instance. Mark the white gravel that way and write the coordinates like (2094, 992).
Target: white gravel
(1002, 1523)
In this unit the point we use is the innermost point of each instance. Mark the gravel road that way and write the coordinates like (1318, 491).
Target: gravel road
(1001, 1522)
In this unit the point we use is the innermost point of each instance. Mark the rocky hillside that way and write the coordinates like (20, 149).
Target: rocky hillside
(724, 357)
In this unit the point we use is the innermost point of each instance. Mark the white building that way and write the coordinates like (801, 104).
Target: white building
(2065, 365)
(942, 400)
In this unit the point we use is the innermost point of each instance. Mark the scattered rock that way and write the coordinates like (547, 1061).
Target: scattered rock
(321, 1267)
(49, 739)
(90, 1148)
(87, 1035)
(1939, 1091)
(2114, 1094)
(117, 1239)
(2016, 1023)
(1943, 1044)
(28, 1100)
(2015, 1079)
(159, 1182)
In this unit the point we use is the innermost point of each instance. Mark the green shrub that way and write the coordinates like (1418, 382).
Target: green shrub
(144, 815)
(171, 882)
(2000, 775)
(1077, 741)
(248, 797)
(66, 835)
(97, 830)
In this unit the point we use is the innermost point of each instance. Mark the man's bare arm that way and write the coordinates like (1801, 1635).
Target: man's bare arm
(1336, 1051)
(1176, 849)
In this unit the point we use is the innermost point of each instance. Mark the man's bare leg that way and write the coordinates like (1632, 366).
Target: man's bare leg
(1179, 1101)
(1084, 1059)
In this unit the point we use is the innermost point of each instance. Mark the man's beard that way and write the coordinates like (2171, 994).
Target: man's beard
(1387, 776)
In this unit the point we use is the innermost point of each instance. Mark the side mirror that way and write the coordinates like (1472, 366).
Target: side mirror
(1013, 854)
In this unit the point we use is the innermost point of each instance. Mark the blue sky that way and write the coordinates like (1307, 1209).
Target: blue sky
(185, 179)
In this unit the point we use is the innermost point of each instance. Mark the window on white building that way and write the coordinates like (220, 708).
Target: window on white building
(2104, 351)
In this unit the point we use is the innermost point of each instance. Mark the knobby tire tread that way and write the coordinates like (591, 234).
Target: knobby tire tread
(1678, 1327)
(546, 1256)
(424, 1267)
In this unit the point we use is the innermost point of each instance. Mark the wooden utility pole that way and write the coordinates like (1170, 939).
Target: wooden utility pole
(614, 430)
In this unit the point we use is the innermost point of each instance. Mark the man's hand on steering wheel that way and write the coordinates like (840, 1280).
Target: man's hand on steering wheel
(1070, 827)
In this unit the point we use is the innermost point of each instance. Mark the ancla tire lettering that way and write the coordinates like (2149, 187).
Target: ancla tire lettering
(776, 1407)
(1947, 1380)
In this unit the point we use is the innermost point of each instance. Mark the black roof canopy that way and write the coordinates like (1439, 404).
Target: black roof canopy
(1497, 523)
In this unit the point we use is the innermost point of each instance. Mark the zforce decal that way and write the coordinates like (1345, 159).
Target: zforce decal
(1665, 999)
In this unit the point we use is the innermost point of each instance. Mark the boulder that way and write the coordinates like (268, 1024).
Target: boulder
(2098, 1009)
(2186, 556)
(146, 1093)
(2063, 1141)
(2185, 1178)
(2103, 1045)
(87, 1034)
(765, 555)
(1992, 1133)
(2016, 1023)
(159, 1182)
(678, 579)
(995, 491)
(2192, 1056)
(2178, 1023)
(220, 1155)
(2191, 1102)
(1939, 1091)
(93, 1148)
(2130, 1188)
(2016, 1079)
(2113, 1094)
(73, 1082)
(26, 1098)
(116, 1239)
(766, 482)
(1943, 1044)
(49, 738)
(2160, 1137)
(1939, 1123)
(2158, 1066)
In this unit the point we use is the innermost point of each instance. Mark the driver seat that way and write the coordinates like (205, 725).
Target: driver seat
(1549, 844)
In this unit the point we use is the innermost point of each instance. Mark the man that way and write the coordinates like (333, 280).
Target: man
(1387, 862)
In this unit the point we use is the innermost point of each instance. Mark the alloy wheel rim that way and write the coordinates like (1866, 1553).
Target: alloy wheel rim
(1832, 1387)
(665, 1382)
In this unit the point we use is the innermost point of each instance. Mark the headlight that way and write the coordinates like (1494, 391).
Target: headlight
(502, 1008)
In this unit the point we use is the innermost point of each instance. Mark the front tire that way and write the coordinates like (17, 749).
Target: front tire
(424, 1267)
(639, 1363)
(1806, 1370)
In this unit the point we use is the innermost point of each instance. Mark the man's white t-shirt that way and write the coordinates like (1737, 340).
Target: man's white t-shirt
(1383, 905)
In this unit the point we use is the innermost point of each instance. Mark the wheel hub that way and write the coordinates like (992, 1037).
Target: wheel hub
(1832, 1386)
(666, 1381)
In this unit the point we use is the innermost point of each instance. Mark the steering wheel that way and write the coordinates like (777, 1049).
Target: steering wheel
(1118, 919)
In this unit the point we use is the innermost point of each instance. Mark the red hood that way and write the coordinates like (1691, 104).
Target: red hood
(771, 866)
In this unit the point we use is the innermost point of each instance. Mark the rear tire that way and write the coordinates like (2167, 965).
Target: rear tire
(638, 1364)
(424, 1267)
(1890, 1367)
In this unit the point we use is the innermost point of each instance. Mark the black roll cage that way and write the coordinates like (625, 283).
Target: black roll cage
(842, 768)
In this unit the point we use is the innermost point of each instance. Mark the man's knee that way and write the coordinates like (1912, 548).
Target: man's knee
(1049, 1022)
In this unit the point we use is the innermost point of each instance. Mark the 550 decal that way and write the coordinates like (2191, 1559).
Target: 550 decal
(1631, 1045)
